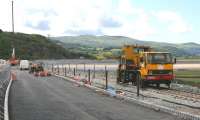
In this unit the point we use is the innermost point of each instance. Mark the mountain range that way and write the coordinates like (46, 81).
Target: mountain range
(190, 49)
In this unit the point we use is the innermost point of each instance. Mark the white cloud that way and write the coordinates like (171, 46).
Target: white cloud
(134, 21)
(176, 23)
(5, 12)
(77, 16)
(143, 27)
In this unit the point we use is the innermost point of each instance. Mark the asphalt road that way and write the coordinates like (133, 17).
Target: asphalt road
(52, 98)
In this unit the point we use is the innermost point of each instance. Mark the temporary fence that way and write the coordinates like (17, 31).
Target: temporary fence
(95, 74)
(5, 75)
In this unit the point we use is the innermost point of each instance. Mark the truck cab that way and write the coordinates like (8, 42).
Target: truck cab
(157, 68)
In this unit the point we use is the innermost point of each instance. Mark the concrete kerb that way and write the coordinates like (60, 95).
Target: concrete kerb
(6, 112)
(183, 115)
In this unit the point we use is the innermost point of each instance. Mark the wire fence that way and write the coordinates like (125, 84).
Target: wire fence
(99, 75)
(4, 81)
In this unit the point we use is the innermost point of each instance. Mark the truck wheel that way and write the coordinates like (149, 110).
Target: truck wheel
(168, 85)
(157, 85)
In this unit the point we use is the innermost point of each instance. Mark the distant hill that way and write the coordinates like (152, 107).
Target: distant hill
(32, 46)
(179, 50)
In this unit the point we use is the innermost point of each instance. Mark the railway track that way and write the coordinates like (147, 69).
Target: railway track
(186, 95)
(178, 94)
(188, 99)
(154, 92)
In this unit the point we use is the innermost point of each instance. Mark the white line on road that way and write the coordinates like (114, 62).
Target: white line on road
(6, 113)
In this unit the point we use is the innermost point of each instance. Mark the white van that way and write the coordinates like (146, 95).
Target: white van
(2, 62)
(24, 65)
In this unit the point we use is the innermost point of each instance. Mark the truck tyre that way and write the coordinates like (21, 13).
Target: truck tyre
(158, 85)
(168, 85)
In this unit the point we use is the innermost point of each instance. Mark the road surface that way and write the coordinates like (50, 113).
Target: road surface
(52, 98)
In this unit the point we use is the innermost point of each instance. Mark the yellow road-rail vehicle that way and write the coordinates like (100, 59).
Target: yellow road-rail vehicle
(140, 62)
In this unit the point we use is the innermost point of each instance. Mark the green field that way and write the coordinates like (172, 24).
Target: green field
(190, 77)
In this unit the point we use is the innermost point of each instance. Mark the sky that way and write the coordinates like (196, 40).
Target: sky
(172, 21)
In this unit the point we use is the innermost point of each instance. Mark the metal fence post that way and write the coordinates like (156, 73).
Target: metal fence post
(65, 71)
(89, 77)
(84, 67)
(76, 67)
(58, 69)
(106, 74)
(69, 67)
(74, 72)
(138, 84)
(47, 66)
(94, 71)
(52, 68)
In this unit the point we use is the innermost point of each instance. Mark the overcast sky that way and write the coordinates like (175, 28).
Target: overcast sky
(174, 21)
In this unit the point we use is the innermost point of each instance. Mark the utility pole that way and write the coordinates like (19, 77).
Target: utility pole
(13, 27)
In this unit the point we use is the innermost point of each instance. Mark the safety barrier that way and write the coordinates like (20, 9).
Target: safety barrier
(5, 76)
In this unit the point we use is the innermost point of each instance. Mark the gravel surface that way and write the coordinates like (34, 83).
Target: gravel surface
(52, 98)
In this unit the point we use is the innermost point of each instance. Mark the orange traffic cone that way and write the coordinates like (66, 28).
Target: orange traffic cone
(13, 76)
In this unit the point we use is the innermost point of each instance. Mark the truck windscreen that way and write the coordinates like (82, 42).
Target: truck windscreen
(159, 58)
